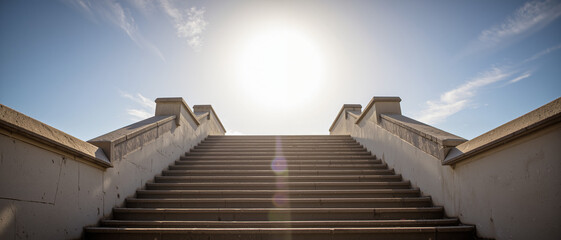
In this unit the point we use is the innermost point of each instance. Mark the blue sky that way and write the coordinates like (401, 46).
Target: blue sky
(278, 67)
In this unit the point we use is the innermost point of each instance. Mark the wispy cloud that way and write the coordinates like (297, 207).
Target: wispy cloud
(459, 98)
(543, 53)
(189, 24)
(113, 12)
(532, 16)
(138, 115)
(145, 108)
(519, 78)
(526, 20)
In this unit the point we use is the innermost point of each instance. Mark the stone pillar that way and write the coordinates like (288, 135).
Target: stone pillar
(381, 105)
(175, 106)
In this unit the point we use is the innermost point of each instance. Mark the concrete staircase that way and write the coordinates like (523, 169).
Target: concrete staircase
(279, 187)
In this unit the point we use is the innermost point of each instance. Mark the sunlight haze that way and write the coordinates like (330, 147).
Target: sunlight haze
(278, 67)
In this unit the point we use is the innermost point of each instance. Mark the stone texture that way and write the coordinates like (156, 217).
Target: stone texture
(16, 122)
(542, 117)
(510, 191)
(48, 191)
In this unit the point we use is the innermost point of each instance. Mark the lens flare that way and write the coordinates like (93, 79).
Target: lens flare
(280, 200)
(279, 165)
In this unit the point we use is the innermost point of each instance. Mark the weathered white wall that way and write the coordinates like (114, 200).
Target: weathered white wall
(509, 192)
(46, 193)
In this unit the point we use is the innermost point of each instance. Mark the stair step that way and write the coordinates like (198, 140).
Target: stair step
(273, 173)
(436, 233)
(279, 194)
(279, 140)
(279, 165)
(279, 136)
(284, 145)
(288, 158)
(332, 178)
(281, 224)
(278, 214)
(269, 161)
(354, 147)
(269, 203)
(279, 185)
(278, 154)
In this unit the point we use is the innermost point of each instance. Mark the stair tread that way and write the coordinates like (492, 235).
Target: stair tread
(285, 191)
(292, 210)
(268, 222)
(294, 230)
(403, 199)
(275, 184)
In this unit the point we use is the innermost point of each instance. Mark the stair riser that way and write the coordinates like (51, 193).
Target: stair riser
(275, 149)
(279, 137)
(396, 235)
(270, 166)
(204, 179)
(273, 215)
(276, 140)
(270, 204)
(287, 158)
(282, 236)
(275, 154)
(309, 194)
(273, 173)
(267, 162)
(275, 186)
(283, 145)
(270, 224)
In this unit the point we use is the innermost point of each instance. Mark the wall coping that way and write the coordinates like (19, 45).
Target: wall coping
(178, 114)
(439, 136)
(208, 108)
(108, 141)
(371, 104)
(533, 121)
(20, 123)
(351, 107)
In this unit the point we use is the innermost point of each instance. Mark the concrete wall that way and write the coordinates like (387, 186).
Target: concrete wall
(510, 190)
(49, 192)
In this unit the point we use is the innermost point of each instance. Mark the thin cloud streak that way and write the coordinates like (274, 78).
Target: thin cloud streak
(138, 114)
(114, 13)
(146, 110)
(519, 78)
(459, 98)
(526, 20)
(189, 24)
(543, 53)
(533, 15)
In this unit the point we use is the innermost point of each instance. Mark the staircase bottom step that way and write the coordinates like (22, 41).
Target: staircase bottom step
(433, 233)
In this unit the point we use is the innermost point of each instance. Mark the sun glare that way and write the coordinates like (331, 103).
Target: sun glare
(280, 67)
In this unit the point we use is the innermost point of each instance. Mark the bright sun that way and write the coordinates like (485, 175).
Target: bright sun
(280, 67)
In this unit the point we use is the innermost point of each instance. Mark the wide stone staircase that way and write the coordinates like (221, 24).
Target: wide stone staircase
(279, 187)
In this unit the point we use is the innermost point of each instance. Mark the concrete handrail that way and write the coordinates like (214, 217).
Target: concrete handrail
(43, 135)
(115, 145)
(431, 140)
(533, 121)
